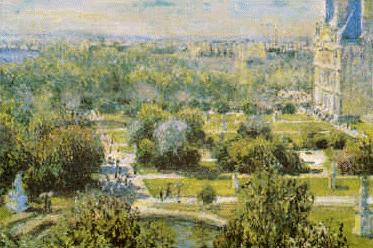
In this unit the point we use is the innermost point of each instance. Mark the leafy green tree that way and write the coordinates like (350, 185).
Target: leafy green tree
(255, 127)
(359, 158)
(288, 158)
(195, 121)
(104, 221)
(222, 155)
(249, 108)
(222, 107)
(275, 214)
(145, 152)
(156, 235)
(207, 195)
(250, 155)
(147, 120)
(14, 156)
(289, 108)
(64, 160)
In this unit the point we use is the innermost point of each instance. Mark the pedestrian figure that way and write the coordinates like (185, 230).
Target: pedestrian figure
(126, 180)
(46, 203)
(49, 205)
(168, 191)
(161, 195)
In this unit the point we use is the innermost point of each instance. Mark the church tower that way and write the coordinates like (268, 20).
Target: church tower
(343, 81)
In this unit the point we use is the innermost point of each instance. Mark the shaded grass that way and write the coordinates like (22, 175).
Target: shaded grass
(365, 127)
(223, 187)
(295, 117)
(191, 187)
(225, 210)
(5, 214)
(336, 215)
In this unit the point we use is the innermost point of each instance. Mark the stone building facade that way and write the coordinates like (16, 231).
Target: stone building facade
(343, 61)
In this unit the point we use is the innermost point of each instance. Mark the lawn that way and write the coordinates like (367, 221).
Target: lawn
(329, 215)
(344, 215)
(223, 187)
(295, 117)
(4, 214)
(225, 210)
(214, 122)
(365, 127)
(191, 186)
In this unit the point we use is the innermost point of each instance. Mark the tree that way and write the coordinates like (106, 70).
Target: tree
(145, 152)
(13, 153)
(249, 108)
(170, 136)
(104, 221)
(64, 160)
(289, 108)
(249, 155)
(359, 158)
(275, 214)
(147, 120)
(255, 127)
(222, 107)
(195, 120)
(207, 195)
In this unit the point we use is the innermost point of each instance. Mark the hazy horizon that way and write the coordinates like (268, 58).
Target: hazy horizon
(163, 18)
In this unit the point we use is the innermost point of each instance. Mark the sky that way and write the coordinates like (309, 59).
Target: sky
(163, 18)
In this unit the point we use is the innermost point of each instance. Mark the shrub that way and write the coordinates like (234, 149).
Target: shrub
(207, 195)
(145, 152)
(64, 160)
(104, 221)
(289, 108)
(265, 222)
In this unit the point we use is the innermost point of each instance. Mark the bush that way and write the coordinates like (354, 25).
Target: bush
(321, 142)
(64, 160)
(222, 107)
(289, 108)
(207, 195)
(250, 108)
(104, 221)
(145, 152)
(253, 128)
(265, 222)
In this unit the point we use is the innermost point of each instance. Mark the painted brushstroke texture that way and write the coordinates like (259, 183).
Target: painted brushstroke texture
(162, 18)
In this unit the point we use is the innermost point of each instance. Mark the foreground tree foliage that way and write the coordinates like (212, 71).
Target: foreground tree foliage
(248, 155)
(99, 221)
(104, 221)
(357, 158)
(64, 160)
(14, 156)
(275, 214)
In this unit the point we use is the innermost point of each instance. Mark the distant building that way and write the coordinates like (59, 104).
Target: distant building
(343, 60)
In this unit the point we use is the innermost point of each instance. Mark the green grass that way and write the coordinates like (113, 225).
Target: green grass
(296, 117)
(345, 186)
(117, 117)
(365, 127)
(5, 214)
(225, 210)
(118, 136)
(148, 170)
(214, 123)
(191, 187)
(288, 127)
(338, 215)
(329, 215)
(223, 187)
